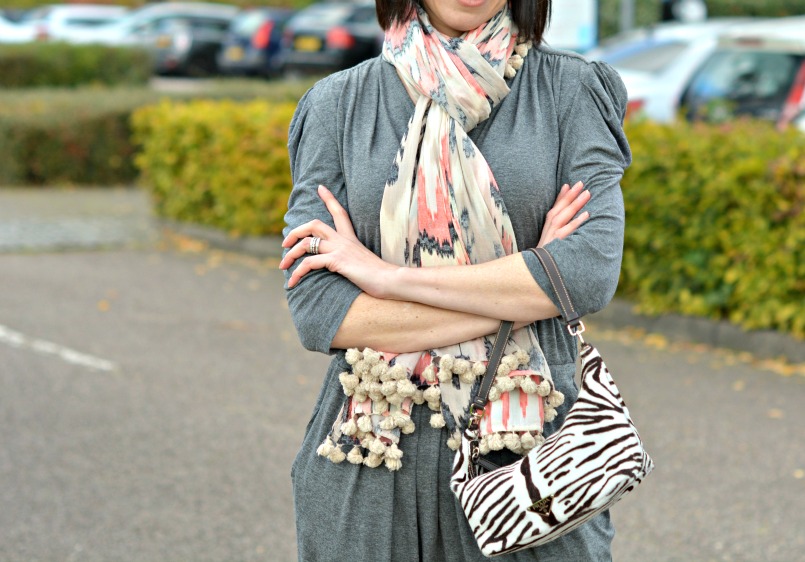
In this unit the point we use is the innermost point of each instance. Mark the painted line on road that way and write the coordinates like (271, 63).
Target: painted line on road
(18, 340)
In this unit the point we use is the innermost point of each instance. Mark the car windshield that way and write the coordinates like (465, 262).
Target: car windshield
(649, 55)
(752, 82)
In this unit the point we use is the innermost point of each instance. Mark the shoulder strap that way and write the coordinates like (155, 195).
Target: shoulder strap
(569, 314)
(504, 332)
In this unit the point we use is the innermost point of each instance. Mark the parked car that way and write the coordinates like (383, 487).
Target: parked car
(656, 63)
(327, 37)
(11, 32)
(185, 37)
(190, 46)
(757, 71)
(67, 22)
(253, 43)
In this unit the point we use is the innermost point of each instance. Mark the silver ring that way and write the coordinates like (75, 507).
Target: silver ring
(313, 247)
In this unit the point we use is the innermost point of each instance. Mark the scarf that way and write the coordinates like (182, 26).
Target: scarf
(442, 206)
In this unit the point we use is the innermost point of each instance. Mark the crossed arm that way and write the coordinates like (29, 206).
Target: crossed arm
(405, 309)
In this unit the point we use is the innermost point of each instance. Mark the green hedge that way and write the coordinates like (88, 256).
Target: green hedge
(221, 164)
(31, 65)
(716, 223)
(83, 136)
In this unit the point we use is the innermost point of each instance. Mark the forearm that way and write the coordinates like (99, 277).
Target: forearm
(503, 288)
(400, 327)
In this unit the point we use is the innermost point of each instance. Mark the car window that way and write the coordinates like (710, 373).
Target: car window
(209, 24)
(754, 82)
(649, 55)
(248, 23)
(322, 16)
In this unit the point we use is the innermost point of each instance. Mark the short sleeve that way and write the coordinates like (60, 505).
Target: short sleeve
(320, 301)
(593, 149)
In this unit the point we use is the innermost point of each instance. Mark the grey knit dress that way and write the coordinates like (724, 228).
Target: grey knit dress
(561, 123)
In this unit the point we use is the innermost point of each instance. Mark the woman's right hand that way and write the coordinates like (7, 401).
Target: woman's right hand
(561, 220)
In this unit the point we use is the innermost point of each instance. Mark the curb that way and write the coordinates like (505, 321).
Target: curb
(619, 314)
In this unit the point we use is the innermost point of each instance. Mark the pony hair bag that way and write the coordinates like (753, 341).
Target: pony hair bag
(594, 459)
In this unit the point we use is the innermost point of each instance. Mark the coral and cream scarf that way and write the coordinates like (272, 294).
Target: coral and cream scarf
(442, 206)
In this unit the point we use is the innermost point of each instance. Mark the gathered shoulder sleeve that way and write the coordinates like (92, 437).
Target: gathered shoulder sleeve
(320, 301)
(592, 149)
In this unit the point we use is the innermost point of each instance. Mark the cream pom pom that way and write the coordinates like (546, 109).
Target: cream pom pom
(419, 397)
(522, 357)
(496, 442)
(353, 356)
(511, 362)
(516, 61)
(349, 427)
(478, 369)
(355, 456)
(395, 399)
(380, 371)
(371, 357)
(359, 397)
(433, 394)
(503, 370)
(467, 377)
(446, 363)
(365, 424)
(454, 442)
(539, 439)
(550, 414)
(372, 460)
(429, 374)
(505, 384)
(528, 385)
(398, 373)
(362, 369)
(393, 452)
(349, 381)
(494, 394)
(437, 421)
(387, 423)
(510, 72)
(375, 391)
(337, 456)
(445, 376)
(522, 48)
(377, 447)
(406, 388)
(393, 465)
(512, 442)
(435, 406)
(326, 448)
(527, 441)
(388, 388)
(556, 399)
(544, 388)
(409, 427)
(461, 366)
(517, 380)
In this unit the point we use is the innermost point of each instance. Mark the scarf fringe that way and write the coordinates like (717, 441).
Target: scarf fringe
(391, 392)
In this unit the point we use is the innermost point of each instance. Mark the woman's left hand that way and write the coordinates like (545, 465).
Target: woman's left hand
(339, 250)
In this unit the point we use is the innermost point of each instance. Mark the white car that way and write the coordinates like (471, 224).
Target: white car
(656, 63)
(11, 32)
(144, 26)
(756, 71)
(69, 22)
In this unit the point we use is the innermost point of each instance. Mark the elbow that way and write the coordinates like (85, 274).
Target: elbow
(598, 293)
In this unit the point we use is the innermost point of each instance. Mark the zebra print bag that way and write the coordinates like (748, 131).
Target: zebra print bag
(583, 469)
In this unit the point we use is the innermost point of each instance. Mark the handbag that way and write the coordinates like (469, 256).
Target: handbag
(590, 463)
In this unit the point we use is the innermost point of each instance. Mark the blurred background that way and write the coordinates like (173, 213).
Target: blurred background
(152, 388)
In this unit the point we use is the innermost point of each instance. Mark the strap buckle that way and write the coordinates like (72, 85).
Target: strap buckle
(576, 329)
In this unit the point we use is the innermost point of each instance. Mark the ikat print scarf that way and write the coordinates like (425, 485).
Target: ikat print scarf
(442, 206)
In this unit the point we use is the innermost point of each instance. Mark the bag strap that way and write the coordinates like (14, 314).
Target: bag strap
(502, 338)
(569, 314)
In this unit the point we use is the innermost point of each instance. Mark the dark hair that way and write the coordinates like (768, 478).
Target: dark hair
(530, 16)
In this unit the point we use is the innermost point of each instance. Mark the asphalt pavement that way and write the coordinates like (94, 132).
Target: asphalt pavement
(154, 394)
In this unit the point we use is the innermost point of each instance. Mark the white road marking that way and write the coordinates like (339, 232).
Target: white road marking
(16, 339)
